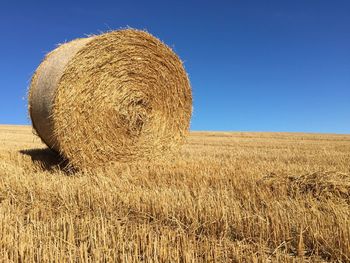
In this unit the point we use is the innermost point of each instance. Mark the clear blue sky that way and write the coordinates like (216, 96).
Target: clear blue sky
(254, 65)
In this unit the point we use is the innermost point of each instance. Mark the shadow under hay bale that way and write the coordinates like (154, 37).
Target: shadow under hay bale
(47, 159)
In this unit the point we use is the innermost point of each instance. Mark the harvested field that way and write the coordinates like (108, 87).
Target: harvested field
(242, 197)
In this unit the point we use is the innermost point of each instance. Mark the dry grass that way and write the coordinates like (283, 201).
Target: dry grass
(243, 197)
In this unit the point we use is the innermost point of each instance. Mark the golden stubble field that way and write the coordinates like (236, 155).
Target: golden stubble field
(229, 197)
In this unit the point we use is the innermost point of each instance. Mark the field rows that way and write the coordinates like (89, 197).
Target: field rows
(242, 197)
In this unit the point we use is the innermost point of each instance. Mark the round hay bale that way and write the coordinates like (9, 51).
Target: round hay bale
(120, 96)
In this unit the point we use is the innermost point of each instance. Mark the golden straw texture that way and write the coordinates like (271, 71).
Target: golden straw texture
(119, 96)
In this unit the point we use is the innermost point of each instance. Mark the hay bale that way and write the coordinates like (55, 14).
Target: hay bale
(120, 96)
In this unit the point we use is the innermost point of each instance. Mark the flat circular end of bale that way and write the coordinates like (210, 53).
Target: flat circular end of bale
(120, 96)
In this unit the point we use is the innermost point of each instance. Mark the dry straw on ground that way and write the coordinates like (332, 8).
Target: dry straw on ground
(229, 197)
(119, 96)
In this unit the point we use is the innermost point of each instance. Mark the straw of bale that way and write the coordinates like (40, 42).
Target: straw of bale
(120, 96)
